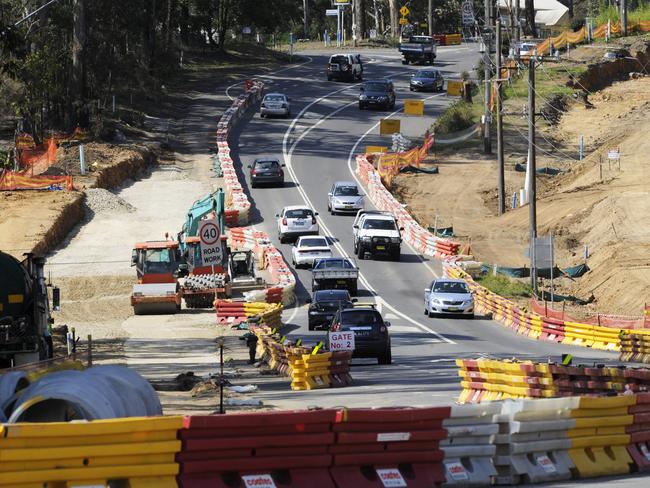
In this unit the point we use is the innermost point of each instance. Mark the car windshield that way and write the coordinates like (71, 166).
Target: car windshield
(313, 242)
(360, 317)
(346, 191)
(298, 213)
(333, 305)
(159, 260)
(376, 87)
(373, 224)
(421, 39)
(334, 263)
(339, 59)
(266, 164)
(274, 98)
(426, 74)
(450, 287)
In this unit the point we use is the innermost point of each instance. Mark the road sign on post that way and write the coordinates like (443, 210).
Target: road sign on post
(404, 11)
(209, 237)
(467, 11)
(341, 341)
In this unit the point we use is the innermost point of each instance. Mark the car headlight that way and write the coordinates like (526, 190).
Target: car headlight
(338, 201)
(383, 98)
(436, 301)
(363, 97)
(395, 240)
(366, 238)
(313, 313)
(469, 302)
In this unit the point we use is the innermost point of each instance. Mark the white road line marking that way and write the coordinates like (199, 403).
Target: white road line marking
(287, 154)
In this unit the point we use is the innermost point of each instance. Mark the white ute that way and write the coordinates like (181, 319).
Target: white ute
(376, 233)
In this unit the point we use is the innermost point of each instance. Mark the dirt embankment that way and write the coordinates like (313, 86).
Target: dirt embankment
(608, 213)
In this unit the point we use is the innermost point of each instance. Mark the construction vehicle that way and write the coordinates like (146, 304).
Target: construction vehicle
(25, 318)
(241, 269)
(158, 267)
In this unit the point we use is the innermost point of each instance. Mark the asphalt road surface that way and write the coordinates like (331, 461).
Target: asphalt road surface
(317, 144)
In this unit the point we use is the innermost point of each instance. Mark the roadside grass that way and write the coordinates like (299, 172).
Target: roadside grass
(504, 286)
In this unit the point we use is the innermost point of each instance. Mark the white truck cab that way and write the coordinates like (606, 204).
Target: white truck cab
(376, 233)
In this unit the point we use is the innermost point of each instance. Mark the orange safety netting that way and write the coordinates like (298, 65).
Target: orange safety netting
(38, 159)
(388, 165)
(16, 181)
(604, 320)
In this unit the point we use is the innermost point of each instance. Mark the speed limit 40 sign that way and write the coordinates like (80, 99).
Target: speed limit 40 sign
(209, 238)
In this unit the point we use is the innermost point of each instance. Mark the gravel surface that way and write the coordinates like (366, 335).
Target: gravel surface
(99, 200)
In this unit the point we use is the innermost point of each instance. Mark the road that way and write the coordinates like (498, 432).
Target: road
(318, 145)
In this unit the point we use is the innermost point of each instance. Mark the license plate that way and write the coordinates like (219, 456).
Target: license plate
(340, 282)
(453, 309)
(349, 206)
(299, 223)
(381, 248)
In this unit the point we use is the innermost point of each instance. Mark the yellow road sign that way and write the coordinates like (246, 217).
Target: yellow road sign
(404, 11)
(414, 107)
(389, 126)
(454, 88)
(376, 149)
(403, 21)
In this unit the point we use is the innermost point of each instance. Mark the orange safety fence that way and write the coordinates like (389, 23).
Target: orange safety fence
(10, 181)
(603, 320)
(389, 164)
(38, 159)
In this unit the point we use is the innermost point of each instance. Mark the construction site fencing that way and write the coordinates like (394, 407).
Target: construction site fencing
(390, 164)
(505, 442)
(237, 203)
(414, 234)
(231, 312)
(607, 320)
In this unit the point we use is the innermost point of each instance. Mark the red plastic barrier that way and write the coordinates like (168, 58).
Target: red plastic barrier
(282, 449)
(639, 447)
(389, 447)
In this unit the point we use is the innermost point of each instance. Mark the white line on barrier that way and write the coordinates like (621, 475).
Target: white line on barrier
(287, 154)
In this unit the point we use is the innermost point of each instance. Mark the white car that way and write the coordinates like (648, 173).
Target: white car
(448, 296)
(295, 221)
(527, 49)
(275, 104)
(308, 249)
(344, 196)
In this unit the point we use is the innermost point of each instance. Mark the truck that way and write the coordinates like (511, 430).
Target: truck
(333, 273)
(420, 49)
(25, 313)
(375, 232)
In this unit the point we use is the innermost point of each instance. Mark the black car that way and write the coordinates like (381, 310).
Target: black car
(324, 305)
(427, 80)
(371, 338)
(266, 171)
(377, 93)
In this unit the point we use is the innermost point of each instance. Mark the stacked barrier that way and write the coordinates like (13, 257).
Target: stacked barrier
(237, 204)
(414, 234)
(469, 448)
(388, 447)
(488, 380)
(327, 370)
(599, 440)
(639, 447)
(267, 449)
(532, 444)
(137, 451)
(232, 313)
(635, 346)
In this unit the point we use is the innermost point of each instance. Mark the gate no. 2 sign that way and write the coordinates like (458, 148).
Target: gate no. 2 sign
(342, 341)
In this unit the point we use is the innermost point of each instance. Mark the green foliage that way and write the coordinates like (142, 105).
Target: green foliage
(459, 116)
(610, 12)
(504, 286)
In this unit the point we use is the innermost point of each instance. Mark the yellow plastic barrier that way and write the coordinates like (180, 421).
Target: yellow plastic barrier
(139, 451)
(414, 107)
(453, 39)
(389, 126)
(454, 88)
(376, 149)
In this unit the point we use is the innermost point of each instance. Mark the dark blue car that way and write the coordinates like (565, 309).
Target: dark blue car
(427, 80)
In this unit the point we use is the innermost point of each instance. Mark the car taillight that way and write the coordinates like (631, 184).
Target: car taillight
(336, 327)
(313, 221)
(254, 172)
(284, 221)
(281, 173)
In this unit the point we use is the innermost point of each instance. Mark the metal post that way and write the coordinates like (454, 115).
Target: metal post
(624, 17)
(552, 265)
(82, 160)
(430, 17)
(487, 143)
(582, 147)
(532, 196)
(221, 379)
(502, 182)
(113, 103)
(517, 24)
(90, 350)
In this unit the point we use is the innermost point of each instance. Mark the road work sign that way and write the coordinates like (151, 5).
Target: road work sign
(342, 341)
(209, 234)
(414, 107)
(404, 11)
(389, 126)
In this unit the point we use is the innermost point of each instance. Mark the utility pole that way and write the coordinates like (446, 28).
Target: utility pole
(305, 17)
(624, 17)
(487, 142)
(517, 23)
(502, 180)
(532, 190)
(430, 17)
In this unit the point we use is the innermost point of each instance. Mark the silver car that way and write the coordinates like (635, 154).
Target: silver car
(344, 196)
(448, 296)
(275, 104)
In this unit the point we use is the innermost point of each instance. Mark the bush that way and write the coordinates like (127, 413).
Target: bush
(459, 116)
(504, 286)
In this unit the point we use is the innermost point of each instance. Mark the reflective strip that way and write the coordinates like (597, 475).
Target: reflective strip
(19, 298)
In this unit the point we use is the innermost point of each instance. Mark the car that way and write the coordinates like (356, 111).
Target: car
(266, 170)
(307, 249)
(371, 337)
(449, 296)
(377, 93)
(344, 67)
(275, 104)
(614, 55)
(344, 196)
(295, 221)
(527, 49)
(323, 306)
(427, 80)
(376, 232)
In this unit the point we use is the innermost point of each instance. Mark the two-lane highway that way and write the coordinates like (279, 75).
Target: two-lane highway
(318, 145)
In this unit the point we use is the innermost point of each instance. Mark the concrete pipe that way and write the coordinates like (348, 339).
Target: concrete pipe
(102, 392)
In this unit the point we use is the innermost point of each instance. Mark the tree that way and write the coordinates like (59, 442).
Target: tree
(530, 18)
(394, 21)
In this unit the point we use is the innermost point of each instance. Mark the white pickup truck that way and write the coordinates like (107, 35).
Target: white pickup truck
(420, 49)
(376, 233)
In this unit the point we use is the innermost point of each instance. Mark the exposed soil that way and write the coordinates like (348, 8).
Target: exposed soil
(608, 216)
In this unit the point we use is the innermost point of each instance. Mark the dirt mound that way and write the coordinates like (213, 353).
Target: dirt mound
(99, 200)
